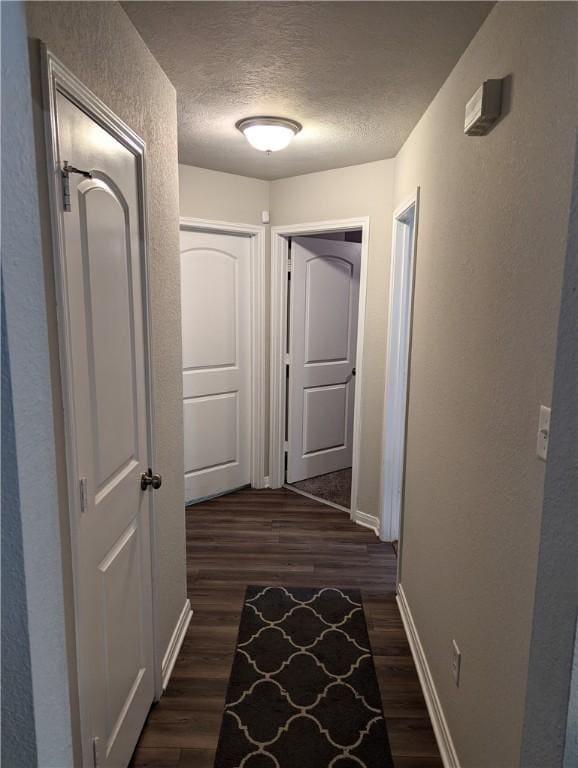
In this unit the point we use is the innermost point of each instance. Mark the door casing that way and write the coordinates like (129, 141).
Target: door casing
(257, 308)
(278, 341)
(399, 332)
(56, 78)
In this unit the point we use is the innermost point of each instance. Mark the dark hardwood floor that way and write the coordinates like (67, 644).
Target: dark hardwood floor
(278, 537)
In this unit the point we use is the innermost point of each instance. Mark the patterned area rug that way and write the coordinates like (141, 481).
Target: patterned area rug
(303, 691)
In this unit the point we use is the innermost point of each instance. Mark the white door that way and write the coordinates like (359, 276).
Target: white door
(215, 306)
(324, 298)
(103, 274)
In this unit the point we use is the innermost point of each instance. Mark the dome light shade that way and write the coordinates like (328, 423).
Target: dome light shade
(268, 134)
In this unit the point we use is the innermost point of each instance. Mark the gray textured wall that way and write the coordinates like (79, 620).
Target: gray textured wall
(490, 254)
(18, 729)
(36, 721)
(98, 43)
(549, 720)
(571, 745)
(359, 190)
(205, 194)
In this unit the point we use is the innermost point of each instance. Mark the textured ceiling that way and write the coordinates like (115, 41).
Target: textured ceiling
(357, 75)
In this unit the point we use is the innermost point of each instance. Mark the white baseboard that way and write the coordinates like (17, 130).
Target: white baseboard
(442, 732)
(175, 643)
(367, 521)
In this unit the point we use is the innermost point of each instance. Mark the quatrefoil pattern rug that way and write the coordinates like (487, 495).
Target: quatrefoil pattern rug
(303, 691)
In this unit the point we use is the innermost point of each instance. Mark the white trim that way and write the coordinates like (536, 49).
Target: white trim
(399, 329)
(224, 227)
(367, 521)
(315, 498)
(277, 351)
(257, 234)
(442, 732)
(279, 253)
(176, 642)
(56, 78)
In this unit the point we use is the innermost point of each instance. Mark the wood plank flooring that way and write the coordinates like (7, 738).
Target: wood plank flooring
(278, 537)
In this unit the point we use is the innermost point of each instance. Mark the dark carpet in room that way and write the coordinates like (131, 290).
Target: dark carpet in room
(303, 689)
(334, 487)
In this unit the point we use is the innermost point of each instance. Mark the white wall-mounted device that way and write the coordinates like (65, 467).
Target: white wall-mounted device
(484, 108)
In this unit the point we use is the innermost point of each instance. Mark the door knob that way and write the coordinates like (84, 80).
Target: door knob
(147, 478)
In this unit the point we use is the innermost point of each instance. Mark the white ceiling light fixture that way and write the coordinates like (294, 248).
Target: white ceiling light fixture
(268, 134)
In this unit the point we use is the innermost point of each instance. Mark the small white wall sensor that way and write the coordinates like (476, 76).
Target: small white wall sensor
(264, 217)
(484, 108)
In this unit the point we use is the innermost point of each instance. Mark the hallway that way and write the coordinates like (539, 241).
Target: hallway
(278, 537)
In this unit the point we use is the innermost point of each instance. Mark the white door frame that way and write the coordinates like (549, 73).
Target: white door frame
(401, 286)
(256, 234)
(279, 256)
(58, 79)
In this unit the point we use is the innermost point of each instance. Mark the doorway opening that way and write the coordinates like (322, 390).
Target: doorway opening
(322, 304)
(318, 308)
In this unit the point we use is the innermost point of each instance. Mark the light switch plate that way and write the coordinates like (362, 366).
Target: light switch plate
(543, 432)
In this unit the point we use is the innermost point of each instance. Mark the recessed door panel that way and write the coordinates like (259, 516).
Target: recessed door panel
(120, 615)
(216, 419)
(328, 288)
(110, 348)
(209, 293)
(325, 418)
(215, 307)
(324, 299)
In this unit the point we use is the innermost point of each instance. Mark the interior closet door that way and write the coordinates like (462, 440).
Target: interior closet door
(216, 322)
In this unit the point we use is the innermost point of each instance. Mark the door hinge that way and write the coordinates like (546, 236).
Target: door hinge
(287, 359)
(286, 446)
(65, 190)
(288, 263)
(83, 494)
(65, 177)
(95, 752)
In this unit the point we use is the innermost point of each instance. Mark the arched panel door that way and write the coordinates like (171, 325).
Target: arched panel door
(108, 413)
(215, 307)
(323, 336)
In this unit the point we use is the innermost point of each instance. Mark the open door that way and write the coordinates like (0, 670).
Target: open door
(100, 267)
(323, 337)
